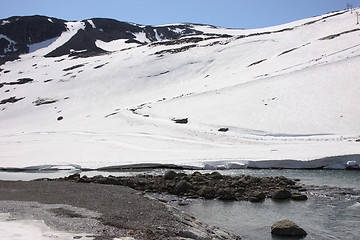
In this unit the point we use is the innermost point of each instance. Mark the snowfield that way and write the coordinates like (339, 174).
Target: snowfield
(29, 229)
(285, 97)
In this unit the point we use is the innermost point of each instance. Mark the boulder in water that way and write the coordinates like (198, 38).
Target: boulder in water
(281, 194)
(287, 227)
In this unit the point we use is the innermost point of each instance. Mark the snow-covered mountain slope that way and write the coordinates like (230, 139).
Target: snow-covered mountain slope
(285, 96)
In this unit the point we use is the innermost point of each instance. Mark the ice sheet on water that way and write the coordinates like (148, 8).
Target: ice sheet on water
(13, 229)
(73, 167)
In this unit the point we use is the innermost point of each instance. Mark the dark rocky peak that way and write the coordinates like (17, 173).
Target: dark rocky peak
(153, 33)
(109, 29)
(82, 42)
(16, 33)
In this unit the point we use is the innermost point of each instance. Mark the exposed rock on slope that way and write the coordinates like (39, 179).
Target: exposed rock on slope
(17, 33)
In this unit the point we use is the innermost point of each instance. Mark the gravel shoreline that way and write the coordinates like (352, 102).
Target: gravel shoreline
(105, 211)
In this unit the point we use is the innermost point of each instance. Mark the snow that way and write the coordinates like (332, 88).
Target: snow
(50, 20)
(4, 22)
(91, 23)
(44, 44)
(141, 37)
(43, 48)
(115, 45)
(28, 229)
(13, 229)
(295, 109)
(11, 46)
(157, 36)
(177, 30)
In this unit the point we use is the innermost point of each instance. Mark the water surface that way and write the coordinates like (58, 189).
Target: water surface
(331, 212)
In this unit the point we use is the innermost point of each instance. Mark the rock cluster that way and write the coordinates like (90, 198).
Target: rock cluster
(208, 186)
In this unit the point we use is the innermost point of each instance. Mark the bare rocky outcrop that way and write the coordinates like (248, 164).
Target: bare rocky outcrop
(208, 186)
(19, 32)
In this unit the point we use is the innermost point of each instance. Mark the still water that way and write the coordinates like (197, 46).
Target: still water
(331, 212)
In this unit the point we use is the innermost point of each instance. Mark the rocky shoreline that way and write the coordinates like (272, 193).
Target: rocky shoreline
(207, 186)
(104, 212)
(126, 206)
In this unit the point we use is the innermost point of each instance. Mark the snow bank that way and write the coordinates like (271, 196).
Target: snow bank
(115, 45)
(44, 44)
(13, 229)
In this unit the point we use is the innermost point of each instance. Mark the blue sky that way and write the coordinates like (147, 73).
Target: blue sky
(224, 13)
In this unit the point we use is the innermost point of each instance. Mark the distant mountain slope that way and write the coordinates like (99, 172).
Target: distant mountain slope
(102, 93)
(18, 33)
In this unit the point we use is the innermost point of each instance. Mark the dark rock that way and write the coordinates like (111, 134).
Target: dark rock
(73, 67)
(176, 50)
(182, 187)
(223, 129)
(287, 228)
(298, 197)
(207, 192)
(281, 194)
(254, 199)
(110, 180)
(295, 187)
(42, 101)
(216, 175)
(181, 121)
(197, 174)
(85, 179)
(208, 186)
(257, 62)
(265, 180)
(10, 100)
(225, 194)
(256, 196)
(169, 175)
(74, 177)
(183, 203)
(97, 177)
(28, 30)
(20, 81)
